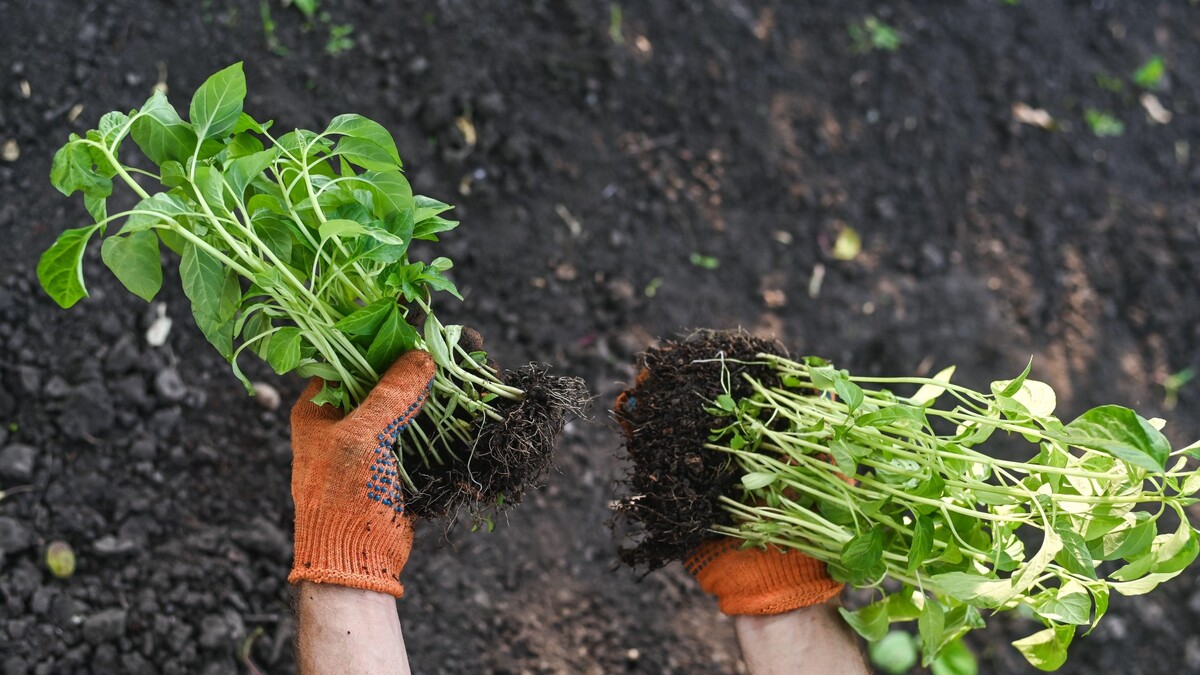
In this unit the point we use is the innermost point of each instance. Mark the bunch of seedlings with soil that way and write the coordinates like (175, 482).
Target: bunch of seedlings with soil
(914, 495)
(295, 247)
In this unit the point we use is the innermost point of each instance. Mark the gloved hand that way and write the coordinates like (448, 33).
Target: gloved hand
(759, 581)
(351, 528)
(747, 580)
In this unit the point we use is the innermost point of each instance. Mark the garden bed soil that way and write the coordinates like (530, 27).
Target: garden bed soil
(621, 175)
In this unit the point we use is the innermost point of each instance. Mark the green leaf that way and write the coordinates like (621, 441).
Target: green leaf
(955, 659)
(359, 127)
(757, 480)
(377, 231)
(973, 589)
(1178, 552)
(435, 280)
(366, 320)
(922, 543)
(892, 414)
(896, 653)
(932, 624)
(172, 174)
(1127, 542)
(1150, 73)
(134, 259)
(862, 556)
(1036, 397)
(97, 207)
(901, 605)
(1143, 585)
(247, 123)
(928, 393)
(850, 393)
(112, 126)
(161, 133)
(389, 190)
(331, 395)
(1047, 649)
(365, 154)
(72, 171)
(394, 338)
(60, 269)
(241, 171)
(210, 187)
(155, 210)
(217, 104)
(843, 456)
(276, 233)
(1122, 433)
(871, 621)
(427, 207)
(1074, 554)
(341, 228)
(215, 295)
(823, 377)
(283, 352)
(1010, 387)
(428, 229)
(1071, 603)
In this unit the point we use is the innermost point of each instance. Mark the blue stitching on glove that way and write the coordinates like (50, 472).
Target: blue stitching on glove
(383, 469)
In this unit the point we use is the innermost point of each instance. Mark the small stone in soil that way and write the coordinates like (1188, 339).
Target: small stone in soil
(16, 461)
(14, 535)
(169, 385)
(105, 625)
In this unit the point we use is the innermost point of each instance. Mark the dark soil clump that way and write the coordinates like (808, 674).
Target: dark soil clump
(508, 456)
(673, 489)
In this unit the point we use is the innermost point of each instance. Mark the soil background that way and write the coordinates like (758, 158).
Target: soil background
(596, 159)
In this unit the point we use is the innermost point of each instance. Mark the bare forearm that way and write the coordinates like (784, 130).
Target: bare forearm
(348, 630)
(808, 640)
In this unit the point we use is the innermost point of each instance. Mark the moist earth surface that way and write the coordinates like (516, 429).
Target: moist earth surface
(622, 172)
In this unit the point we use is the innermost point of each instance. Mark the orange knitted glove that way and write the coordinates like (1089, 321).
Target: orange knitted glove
(759, 581)
(351, 528)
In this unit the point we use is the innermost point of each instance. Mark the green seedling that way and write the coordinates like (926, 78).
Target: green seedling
(923, 498)
(873, 33)
(708, 262)
(294, 247)
(614, 24)
(1173, 383)
(1103, 124)
(307, 7)
(269, 30)
(1150, 74)
(339, 39)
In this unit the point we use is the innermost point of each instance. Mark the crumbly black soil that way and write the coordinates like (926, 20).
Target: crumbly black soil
(671, 494)
(752, 131)
(508, 456)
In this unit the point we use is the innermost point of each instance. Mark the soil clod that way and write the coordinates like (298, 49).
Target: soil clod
(672, 491)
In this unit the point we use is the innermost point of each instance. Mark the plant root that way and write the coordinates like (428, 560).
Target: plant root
(671, 493)
(508, 456)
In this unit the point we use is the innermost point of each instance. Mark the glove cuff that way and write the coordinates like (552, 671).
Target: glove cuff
(366, 553)
(758, 581)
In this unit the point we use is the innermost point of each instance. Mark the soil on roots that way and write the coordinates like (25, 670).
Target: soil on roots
(508, 456)
(673, 489)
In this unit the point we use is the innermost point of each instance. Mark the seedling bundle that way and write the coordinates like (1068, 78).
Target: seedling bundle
(296, 248)
(910, 494)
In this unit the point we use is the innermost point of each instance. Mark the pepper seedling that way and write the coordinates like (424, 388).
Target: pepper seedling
(294, 247)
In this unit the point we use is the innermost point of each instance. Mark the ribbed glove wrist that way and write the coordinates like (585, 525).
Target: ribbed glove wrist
(758, 581)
